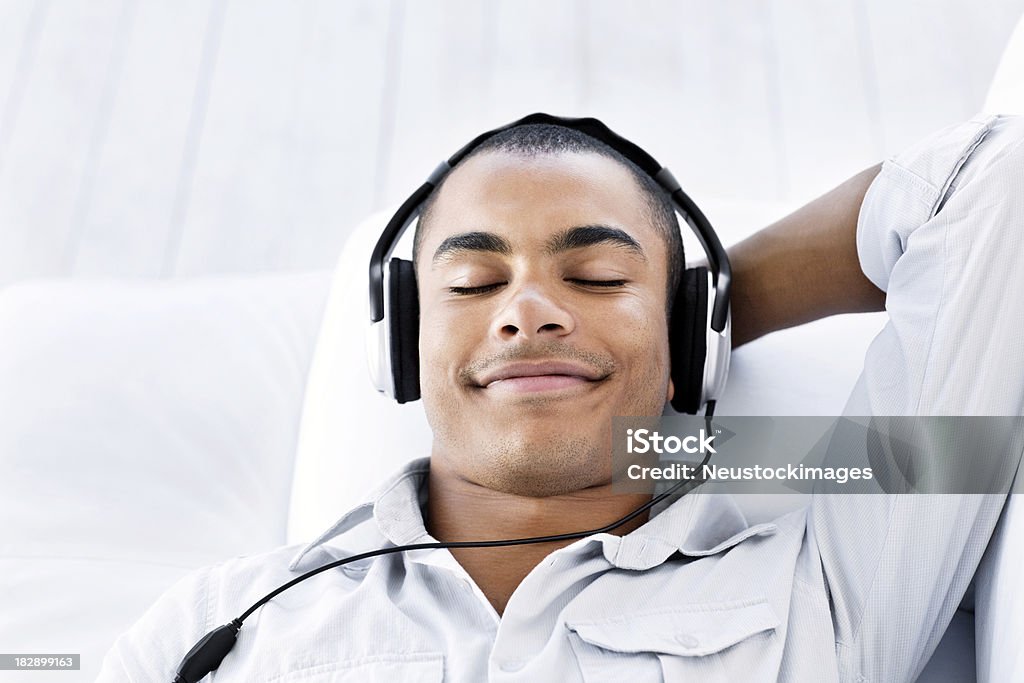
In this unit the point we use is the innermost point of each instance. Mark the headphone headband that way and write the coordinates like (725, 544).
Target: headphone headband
(718, 260)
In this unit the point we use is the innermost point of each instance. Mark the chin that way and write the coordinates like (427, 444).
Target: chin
(539, 468)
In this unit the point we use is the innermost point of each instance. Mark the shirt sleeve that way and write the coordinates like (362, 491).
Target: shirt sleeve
(939, 232)
(152, 649)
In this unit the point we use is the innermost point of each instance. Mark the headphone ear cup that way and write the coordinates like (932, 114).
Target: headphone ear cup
(404, 320)
(688, 340)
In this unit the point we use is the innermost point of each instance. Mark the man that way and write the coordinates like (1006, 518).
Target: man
(544, 263)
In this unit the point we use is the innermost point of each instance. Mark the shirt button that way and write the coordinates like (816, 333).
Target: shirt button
(686, 640)
(511, 665)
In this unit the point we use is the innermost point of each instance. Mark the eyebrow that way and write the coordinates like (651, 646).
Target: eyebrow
(471, 241)
(572, 238)
(589, 235)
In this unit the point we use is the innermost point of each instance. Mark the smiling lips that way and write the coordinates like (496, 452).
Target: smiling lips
(534, 377)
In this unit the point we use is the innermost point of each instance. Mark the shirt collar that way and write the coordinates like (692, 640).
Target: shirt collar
(395, 507)
(695, 525)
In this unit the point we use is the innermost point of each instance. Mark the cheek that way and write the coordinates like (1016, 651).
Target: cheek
(446, 343)
(643, 334)
(436, 344)
(435, 388)
(645, 349)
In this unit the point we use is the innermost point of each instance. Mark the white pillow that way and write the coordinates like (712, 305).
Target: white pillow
(145, 429)
(352, 437)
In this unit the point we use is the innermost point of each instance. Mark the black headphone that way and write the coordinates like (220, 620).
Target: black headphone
(700, 343)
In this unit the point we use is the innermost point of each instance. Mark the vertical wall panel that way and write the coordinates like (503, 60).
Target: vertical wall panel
(442, 77)
(143, 138)
(287, 154)
(21, 22)
(827, 94)
(693, 81)
(540, 59)
(933, 61)
(124, 226)
(52, 141)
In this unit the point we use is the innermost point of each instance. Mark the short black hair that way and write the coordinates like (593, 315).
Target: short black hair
(542, 138)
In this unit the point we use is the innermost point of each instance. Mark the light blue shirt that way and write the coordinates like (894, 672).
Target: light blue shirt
(693, 594)
(851, 588)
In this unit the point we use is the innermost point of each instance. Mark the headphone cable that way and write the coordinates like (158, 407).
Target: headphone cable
(207, 654)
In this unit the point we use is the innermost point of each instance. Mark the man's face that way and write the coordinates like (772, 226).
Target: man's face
(542, 315)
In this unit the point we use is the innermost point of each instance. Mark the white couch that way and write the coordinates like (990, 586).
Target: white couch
(145, 430)
(150, 428)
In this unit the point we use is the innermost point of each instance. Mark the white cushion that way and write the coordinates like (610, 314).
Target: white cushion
(145, 429)
(351, 437)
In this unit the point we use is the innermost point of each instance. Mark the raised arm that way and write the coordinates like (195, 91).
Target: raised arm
(803, 267)
(939, 230)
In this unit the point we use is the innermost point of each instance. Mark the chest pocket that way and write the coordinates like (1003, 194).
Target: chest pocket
(713, 642)
(412, 668)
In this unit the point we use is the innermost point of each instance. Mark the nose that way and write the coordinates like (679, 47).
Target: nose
(533, 313)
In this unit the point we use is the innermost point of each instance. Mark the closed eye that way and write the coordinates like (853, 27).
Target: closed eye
(596, 283)
(481, 289)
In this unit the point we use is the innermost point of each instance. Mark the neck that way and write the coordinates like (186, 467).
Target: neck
(459, 510)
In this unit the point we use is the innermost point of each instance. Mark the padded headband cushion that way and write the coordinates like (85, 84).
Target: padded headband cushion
(688, 340)
(404, 320)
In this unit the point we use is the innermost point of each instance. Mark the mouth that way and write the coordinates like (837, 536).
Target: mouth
(521, 378)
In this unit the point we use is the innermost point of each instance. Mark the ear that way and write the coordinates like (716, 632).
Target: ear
(671, 391)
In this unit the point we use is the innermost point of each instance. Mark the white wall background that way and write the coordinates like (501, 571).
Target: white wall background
(149, 138)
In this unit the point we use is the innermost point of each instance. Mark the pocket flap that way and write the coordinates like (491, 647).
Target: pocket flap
(688, 630)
